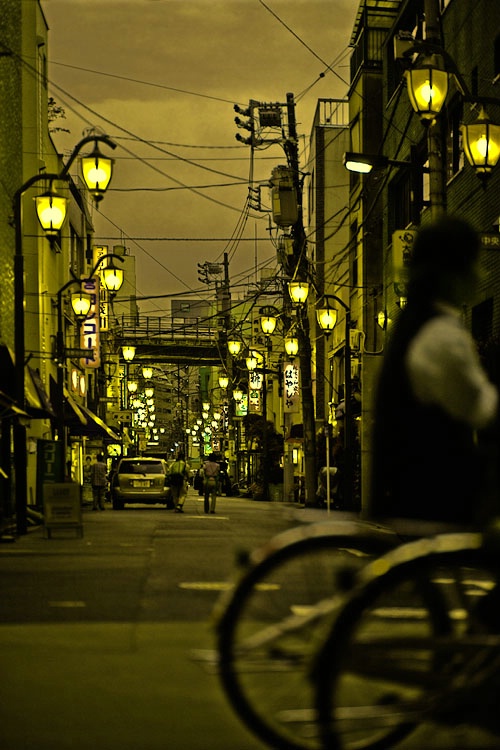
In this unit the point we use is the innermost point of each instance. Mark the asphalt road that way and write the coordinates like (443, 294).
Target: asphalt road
(106, 641)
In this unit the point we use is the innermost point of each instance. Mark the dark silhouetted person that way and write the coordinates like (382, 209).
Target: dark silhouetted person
(433, 393)
(99, 480)
(179, 474)
(211, 471)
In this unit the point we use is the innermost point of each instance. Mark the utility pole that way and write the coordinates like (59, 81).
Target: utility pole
(295, 265)
(297, 268)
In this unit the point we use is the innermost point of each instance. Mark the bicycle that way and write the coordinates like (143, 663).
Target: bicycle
(269, 625)
(408, 647)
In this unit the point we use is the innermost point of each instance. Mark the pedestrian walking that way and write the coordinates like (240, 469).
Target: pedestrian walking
(433, 394)
(99, 480)
(179, 474)
(211, 471)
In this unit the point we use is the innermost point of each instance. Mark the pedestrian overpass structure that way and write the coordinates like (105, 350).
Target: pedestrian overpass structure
(163, 339)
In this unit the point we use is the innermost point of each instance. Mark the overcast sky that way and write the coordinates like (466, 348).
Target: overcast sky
(161, 77)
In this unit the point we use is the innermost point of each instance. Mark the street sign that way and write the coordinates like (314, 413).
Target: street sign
(490, 240)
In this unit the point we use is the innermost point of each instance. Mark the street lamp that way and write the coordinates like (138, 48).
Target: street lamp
(427, 85)
(365, 163)
(291, 345)
(81, 303)
(298, 291)
(327, 319)
(19, 430)
(128, 353)
(481, 143)
(234, 346)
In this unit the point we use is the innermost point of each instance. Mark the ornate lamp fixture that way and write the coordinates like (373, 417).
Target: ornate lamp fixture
(97, 171)
(327, 318)
(291, 346)
(298, 291)
(112, 277)
(81, 302)
(251, 361)
(223, 380)
(427, 86)
(237, 394)
(51, 209)
(128, 353)
(234, 347)
(481, 143)
(268, 324)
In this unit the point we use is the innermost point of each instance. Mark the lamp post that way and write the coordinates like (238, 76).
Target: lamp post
(97, 180)
(81, 303)
(427, 85)
(327, 319)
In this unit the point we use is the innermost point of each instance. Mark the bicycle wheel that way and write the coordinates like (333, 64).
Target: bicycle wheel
(274, 619)
(392, 654)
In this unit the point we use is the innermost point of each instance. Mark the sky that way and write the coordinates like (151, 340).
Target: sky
(160, 77)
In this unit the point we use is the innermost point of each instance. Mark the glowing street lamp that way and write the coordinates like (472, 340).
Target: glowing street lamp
(427, 86)
(481, 143)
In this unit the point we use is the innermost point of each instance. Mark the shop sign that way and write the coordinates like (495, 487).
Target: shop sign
(90, 326)
(291, 388)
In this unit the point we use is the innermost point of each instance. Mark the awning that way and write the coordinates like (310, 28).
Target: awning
(76, 414)
(93, 426)
(8, 407)
(100, 424)
(38, 404)
(37, 400)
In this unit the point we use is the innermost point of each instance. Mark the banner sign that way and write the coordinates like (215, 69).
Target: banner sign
(90, 326)
(254, 401)
(291, 388)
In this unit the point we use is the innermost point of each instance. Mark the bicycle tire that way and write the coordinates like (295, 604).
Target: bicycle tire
(404, 669)
(267, 684)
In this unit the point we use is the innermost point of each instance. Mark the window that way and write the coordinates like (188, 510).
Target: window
(454, 150)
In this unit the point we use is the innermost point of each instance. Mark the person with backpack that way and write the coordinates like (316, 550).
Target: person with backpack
(179, 474)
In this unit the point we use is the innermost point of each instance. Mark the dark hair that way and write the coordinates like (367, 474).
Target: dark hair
(449, 246)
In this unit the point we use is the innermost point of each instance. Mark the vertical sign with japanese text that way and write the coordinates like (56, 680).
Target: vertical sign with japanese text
(291, 388)
(90, 326)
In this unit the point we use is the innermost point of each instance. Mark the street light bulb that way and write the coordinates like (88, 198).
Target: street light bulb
(97, 170)
(132, 386)
(327, 319)
(291, 346)
(81, 303)
(234, 347)
(223, 381)
(51, 210)
(251, 362)
(481, 143)
(128, 353)
(268, 324)
(147, 373)
(237, 394)
(112, 278)
(427, 87)
(298, 291)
